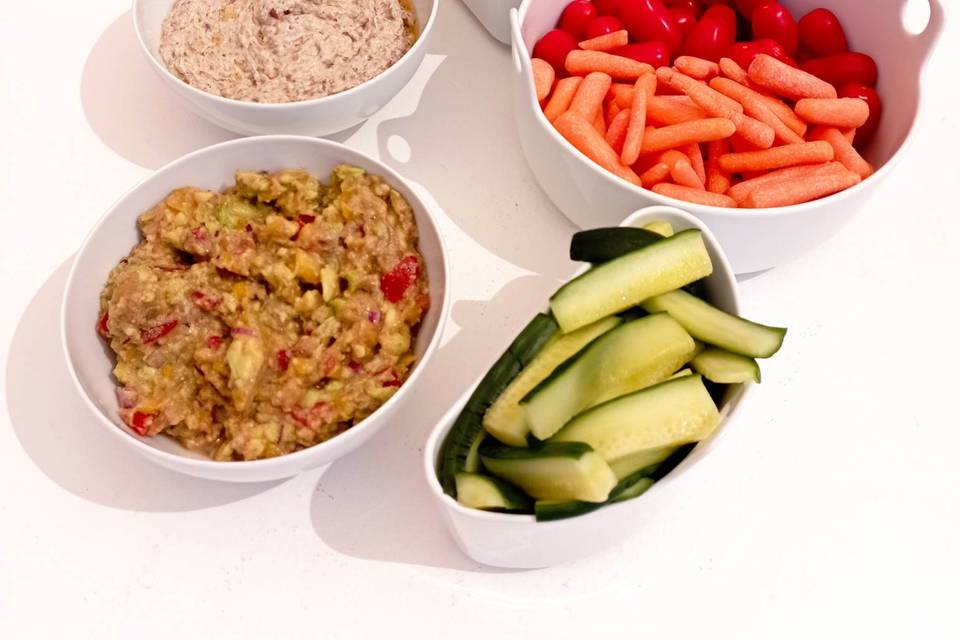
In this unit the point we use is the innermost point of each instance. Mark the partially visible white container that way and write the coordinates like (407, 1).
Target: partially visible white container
(519, 541)
(754, 239)
(494, 15)
(317, 117)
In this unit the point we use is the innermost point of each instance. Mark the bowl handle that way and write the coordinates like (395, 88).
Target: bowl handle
(925, 41)
(521, 61)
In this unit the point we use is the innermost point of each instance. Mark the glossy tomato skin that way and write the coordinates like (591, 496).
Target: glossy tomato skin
(648, 20)
(772, 20)
(743, 53)
(684, 18)
(695, 6)
(822, 34)
(746, 7)
(553, 47)
(842, 68)
(656, 54)
(603, 25)
(607, 7)
(713, 35)
(869, 95)
(576, 16)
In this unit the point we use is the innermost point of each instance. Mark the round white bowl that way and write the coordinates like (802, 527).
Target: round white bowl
(494, 15)
(754, 239)
(91, 362)
(519, 541)
(317, 117)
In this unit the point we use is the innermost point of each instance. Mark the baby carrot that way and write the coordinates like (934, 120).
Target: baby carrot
(695, 155)
(717, 180)
(655, 174)
(543, 77)
(665, 110)
(756, 107)
(850, 134)
(588, 100)
(794, 191)
(683, 174)
(612, 110)
(617, 131)
(833, 112)
(714, 103)
(676, 135)
(618, 67)
(581, 133)
(622, 94)
(696, 67)
(786, 155)
(599, 123)
(741, 190)
(787, 81)
(562, 97)
(697, 196)
(606, 42)
(732, 70)
(753, 131)
(843, 150)
(638, 118)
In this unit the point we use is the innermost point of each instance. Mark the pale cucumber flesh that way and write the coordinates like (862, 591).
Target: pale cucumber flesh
(628, 280)
(724, 367)
(635, 355)
(551, 475)
(505, 419)
(481, 492)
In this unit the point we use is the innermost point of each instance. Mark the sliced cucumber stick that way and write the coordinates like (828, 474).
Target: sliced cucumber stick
(505, 419)
(483, 492)
(632, 356)
(629, 280)
(630, 487)
(553, 471)
(724, 367)
(665, 229)
(602, 245)
(666, 415)
(719, 328)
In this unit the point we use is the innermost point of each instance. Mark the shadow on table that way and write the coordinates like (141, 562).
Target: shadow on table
(375, 504)
(60, 435)
(130, 109)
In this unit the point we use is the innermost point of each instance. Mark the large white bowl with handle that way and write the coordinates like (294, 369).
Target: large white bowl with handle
(519, 541)
(754, 239)
(317, 117)
(91, 362)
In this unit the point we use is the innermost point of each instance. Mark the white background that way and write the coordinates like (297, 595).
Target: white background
(832, 509)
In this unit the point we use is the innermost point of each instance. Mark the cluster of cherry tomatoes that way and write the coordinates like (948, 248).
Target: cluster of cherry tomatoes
(661, 30)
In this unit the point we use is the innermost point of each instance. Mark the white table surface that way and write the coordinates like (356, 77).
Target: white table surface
(833, 508)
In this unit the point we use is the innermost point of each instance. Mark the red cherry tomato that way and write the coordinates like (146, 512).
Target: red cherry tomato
(684, 18)
(554, 47)
(650, 20)
(869, 95)
(656, 54)
(603, 25)
(841, 68)
(576, 16)
(743, 53)
(712, 36)
(607, 7)
(822, 33)
(772, 20)
(694, 6)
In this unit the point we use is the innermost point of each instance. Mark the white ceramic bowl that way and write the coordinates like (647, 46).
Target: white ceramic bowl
(519, 541)
(321, 116)
(754, 239)
(494, 15)
(113, 237)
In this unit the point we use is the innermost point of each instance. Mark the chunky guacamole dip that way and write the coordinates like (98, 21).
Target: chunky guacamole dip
(269, 317)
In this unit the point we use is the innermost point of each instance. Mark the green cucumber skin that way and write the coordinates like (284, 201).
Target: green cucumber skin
(490, 448)
(456, 446)
(513, 496)
(549, 510)
(609, 243)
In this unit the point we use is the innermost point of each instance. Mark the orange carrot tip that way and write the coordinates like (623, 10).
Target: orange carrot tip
(683, 173)
(655, 174)
(562, 96)
(732, 70)
(617, 130)
(588, 101)
(787, 81)
(696, 196)
(618, 67)
(833, 112)
(696, 67)
(606, 42)
(796, 191)
(543, 77)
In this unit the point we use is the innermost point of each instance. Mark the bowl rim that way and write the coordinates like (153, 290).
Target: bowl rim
(279, 106)
(517, 19)
(340, 440)
(432, 447)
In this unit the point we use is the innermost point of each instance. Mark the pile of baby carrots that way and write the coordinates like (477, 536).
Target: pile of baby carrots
(705, 132)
